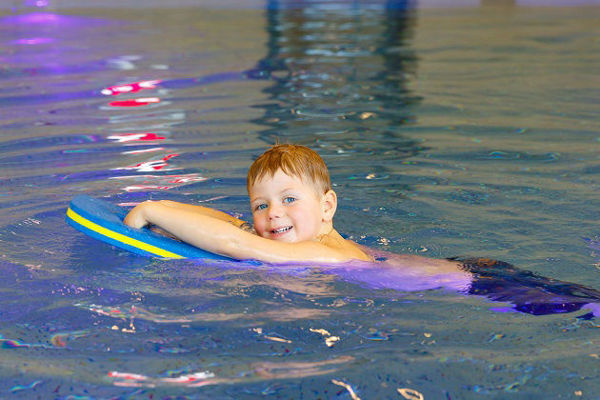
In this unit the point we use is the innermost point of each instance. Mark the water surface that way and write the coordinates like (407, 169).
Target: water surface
(464, 131)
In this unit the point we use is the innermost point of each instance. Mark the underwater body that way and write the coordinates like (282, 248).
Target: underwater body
(449, 132)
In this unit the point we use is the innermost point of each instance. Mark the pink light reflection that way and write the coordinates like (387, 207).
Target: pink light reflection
(137, 188)
(158, 182)
(195, 379)
(136, 137)
(151, 150)
(127, 375)
(135, 102)
(130, 87)
(152, 165)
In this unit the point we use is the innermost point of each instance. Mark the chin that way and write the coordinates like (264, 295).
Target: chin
(286, 240)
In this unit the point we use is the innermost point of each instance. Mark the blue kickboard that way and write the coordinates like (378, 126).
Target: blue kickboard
(104, 221)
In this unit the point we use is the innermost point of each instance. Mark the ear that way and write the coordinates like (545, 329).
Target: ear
(328, 205)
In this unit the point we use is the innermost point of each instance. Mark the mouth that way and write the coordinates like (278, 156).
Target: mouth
(280, 230)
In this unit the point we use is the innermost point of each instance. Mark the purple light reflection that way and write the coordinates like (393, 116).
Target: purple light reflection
(37, 3)
(33, 18)
(33, 41)
(45, 45)
(42, 19)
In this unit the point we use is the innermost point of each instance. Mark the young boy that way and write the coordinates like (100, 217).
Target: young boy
(292, 206)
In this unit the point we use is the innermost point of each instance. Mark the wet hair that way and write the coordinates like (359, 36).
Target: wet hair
(294, 160)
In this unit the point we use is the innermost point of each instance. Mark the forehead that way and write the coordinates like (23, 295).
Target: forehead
(278, 178)
(279, 181)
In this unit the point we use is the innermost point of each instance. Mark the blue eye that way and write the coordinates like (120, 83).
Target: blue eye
(289, 200)
(260, 207)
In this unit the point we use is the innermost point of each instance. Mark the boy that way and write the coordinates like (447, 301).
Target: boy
(292, 206)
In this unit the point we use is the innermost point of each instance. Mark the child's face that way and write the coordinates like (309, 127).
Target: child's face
(285, 208)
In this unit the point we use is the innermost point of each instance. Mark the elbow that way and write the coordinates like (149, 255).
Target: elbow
(230, 247)
(166, 203)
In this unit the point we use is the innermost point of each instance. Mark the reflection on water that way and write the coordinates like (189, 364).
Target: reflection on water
(143, 137)
(152, 165)
(340, 78)
(130, 87)
(143, 101)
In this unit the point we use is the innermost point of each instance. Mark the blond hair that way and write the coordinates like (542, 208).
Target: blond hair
(294, 160)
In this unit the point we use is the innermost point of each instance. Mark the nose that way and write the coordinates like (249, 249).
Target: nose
(274, 211)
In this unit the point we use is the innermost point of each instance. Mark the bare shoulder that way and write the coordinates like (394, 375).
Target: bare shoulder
(357, 252)
(345, 247)
(324, 250)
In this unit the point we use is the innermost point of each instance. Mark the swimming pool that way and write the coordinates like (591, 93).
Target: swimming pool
(448, 131)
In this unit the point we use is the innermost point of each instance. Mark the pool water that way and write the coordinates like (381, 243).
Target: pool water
(448, 132)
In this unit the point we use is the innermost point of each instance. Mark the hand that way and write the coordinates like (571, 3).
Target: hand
(136, 217)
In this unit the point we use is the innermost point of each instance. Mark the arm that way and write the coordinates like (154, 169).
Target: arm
(211, 212)
(214, 232)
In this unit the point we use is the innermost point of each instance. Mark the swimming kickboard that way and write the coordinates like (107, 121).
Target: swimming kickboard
(103, 220)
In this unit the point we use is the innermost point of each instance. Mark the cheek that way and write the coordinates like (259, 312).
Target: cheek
(259, 224)
(303, 217)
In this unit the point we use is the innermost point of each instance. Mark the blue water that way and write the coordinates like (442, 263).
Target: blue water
(448, 132)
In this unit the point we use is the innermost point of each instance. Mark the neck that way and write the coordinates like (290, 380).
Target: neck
(326, 231)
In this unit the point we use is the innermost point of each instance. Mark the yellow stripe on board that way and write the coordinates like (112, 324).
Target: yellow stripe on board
(119, 237)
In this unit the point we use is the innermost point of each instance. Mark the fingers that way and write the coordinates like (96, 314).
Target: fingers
(136, 217)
